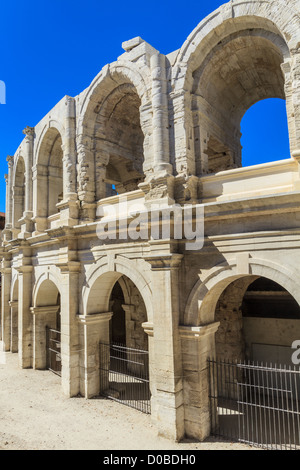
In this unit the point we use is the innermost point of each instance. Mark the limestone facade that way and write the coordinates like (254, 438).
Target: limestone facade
(163, 130)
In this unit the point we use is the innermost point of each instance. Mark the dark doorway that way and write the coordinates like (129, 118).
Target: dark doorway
(118, 326)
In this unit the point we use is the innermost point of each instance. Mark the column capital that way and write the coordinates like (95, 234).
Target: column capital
(95, 318)
(196, 332)
(10, 161)
(69, 267)
(29, 131)
(148, 328)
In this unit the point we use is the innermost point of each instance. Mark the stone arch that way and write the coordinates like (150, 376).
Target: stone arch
(45, 288)
(128, 71)
(113, 132)
(200, 308)
(212, 55)
(14, 294)
(52, 124)
(276, 17)
(100, 281)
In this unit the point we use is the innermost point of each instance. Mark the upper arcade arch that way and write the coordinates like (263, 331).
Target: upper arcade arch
(113, 132)
(240, 54)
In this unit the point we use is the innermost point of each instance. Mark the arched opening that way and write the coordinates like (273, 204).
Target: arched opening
(118, 324)
(119, 141)
(265, 136)
(47, 328)
(19, 192)
(122, 347)
(256, 387)
(240, 71)
(259, 320)
(50, 175)
(129, 313)
(129, 364)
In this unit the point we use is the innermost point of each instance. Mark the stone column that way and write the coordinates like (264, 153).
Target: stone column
(5, 308)
(102, 160)
(69, 327)
(69, 206)
(95, 330)
(13, 326)
(160, 120)
(295, 84)
(40, 204)
(29, 140)
(167, 401)
(43, 317)
(182, 123)
(198, 345)
(148, 329)
(25, 317)
(159, 183)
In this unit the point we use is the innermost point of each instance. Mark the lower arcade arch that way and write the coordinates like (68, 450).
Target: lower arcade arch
(123, 349)
(258, 321)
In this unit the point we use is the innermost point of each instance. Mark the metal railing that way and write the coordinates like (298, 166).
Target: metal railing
(54, 351)
(124, 375)
(254, 403)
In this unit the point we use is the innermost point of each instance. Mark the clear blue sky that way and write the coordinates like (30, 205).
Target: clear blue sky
(52, 49)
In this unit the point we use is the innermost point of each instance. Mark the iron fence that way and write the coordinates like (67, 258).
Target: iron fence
(124, 375)
(54, 351)
(254, 403)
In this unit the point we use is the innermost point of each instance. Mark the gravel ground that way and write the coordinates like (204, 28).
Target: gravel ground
(35, 415)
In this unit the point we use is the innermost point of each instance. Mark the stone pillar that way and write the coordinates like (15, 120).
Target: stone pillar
(95, 330)
(102, 160)
(295, 84)
(198, 345)
(40, 204)
(69, 328)
(25, 317)
(69, 150)
(5, 308)
(14, 326)
(7, 233)
(167, 401)
(86, 178)
(182, 123)
(148, 329)
(69, 206)
(159, 182)
(29, 140)
(160, 111)
(43, 317)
